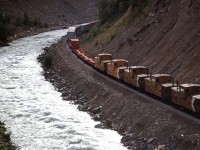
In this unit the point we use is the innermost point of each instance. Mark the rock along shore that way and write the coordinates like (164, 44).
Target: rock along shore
(143, 124)
(5, 142)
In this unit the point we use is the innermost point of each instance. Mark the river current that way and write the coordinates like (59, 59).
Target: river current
(34, 112)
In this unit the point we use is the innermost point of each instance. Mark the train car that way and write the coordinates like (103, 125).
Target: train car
(80, 54)
(78, 30)
(71, 33)
(141, 80)
(101, 61)
(85, 27)
(114, 70)
(184, 95)
(166, 91)
(131, 74)
(196, 103)
(120, 72)
(153, 84)
(74, 44)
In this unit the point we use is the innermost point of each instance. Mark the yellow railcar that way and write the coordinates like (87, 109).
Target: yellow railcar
(131, 74)
(116, 68)
(101, 61)
(153, 84)
(184, 95)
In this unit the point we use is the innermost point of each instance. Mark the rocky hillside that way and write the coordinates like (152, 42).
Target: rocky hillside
(52, 11)
(164, 36)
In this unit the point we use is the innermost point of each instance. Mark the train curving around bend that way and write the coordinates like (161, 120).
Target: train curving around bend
(160, 85)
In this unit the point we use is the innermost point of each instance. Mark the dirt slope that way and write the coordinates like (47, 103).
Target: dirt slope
(53, 11)
(164, 37)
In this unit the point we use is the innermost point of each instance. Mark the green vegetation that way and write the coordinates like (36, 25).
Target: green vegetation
(109, 10)
(115, 16)
(27, 21)
(6, 28)
(8, 24)
(93, 32)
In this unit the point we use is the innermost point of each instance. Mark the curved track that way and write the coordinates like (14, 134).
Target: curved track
(142, 95)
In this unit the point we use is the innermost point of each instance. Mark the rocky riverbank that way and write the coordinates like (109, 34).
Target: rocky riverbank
(5, 142)
(144, 124)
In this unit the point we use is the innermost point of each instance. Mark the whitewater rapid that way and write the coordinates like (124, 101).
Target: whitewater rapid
(34, 112)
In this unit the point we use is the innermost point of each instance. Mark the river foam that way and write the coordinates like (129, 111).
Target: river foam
(34, 111)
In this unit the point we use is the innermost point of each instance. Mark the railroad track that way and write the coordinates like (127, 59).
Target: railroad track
(172, 108)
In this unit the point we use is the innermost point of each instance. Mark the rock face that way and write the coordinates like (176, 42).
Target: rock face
(144, 124)
(53, 11)
(165, 37)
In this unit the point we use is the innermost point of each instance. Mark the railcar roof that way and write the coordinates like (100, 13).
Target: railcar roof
(161, 75)
(84, 24)
(106, 61)
(190, 85)
(143, 75)
(71, 29)
(75, 40)
(135, 67)
(104, 54)
(196, 96)
(123, 67)
(169, 85)
(117, 60)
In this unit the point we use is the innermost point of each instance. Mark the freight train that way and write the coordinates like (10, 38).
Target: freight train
(79, 29)
(160, 85)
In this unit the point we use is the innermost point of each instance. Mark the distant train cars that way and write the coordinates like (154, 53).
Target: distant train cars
(159, 85)
(80, 29)
(74, 44)
(71, 33)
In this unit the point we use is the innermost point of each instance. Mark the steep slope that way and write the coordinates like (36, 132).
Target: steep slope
(52, 11)
(165, 37)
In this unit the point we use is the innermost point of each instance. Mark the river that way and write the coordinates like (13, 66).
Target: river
(34, 112)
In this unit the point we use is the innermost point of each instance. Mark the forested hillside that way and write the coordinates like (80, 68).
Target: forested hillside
(42, 14)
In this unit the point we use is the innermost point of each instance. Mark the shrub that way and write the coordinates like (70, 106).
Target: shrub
(6, 28)
(3, 32)
(37, 22)
(47, 62)
(46, 25)
(111, 9)
(18, 22)
(26, 20)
